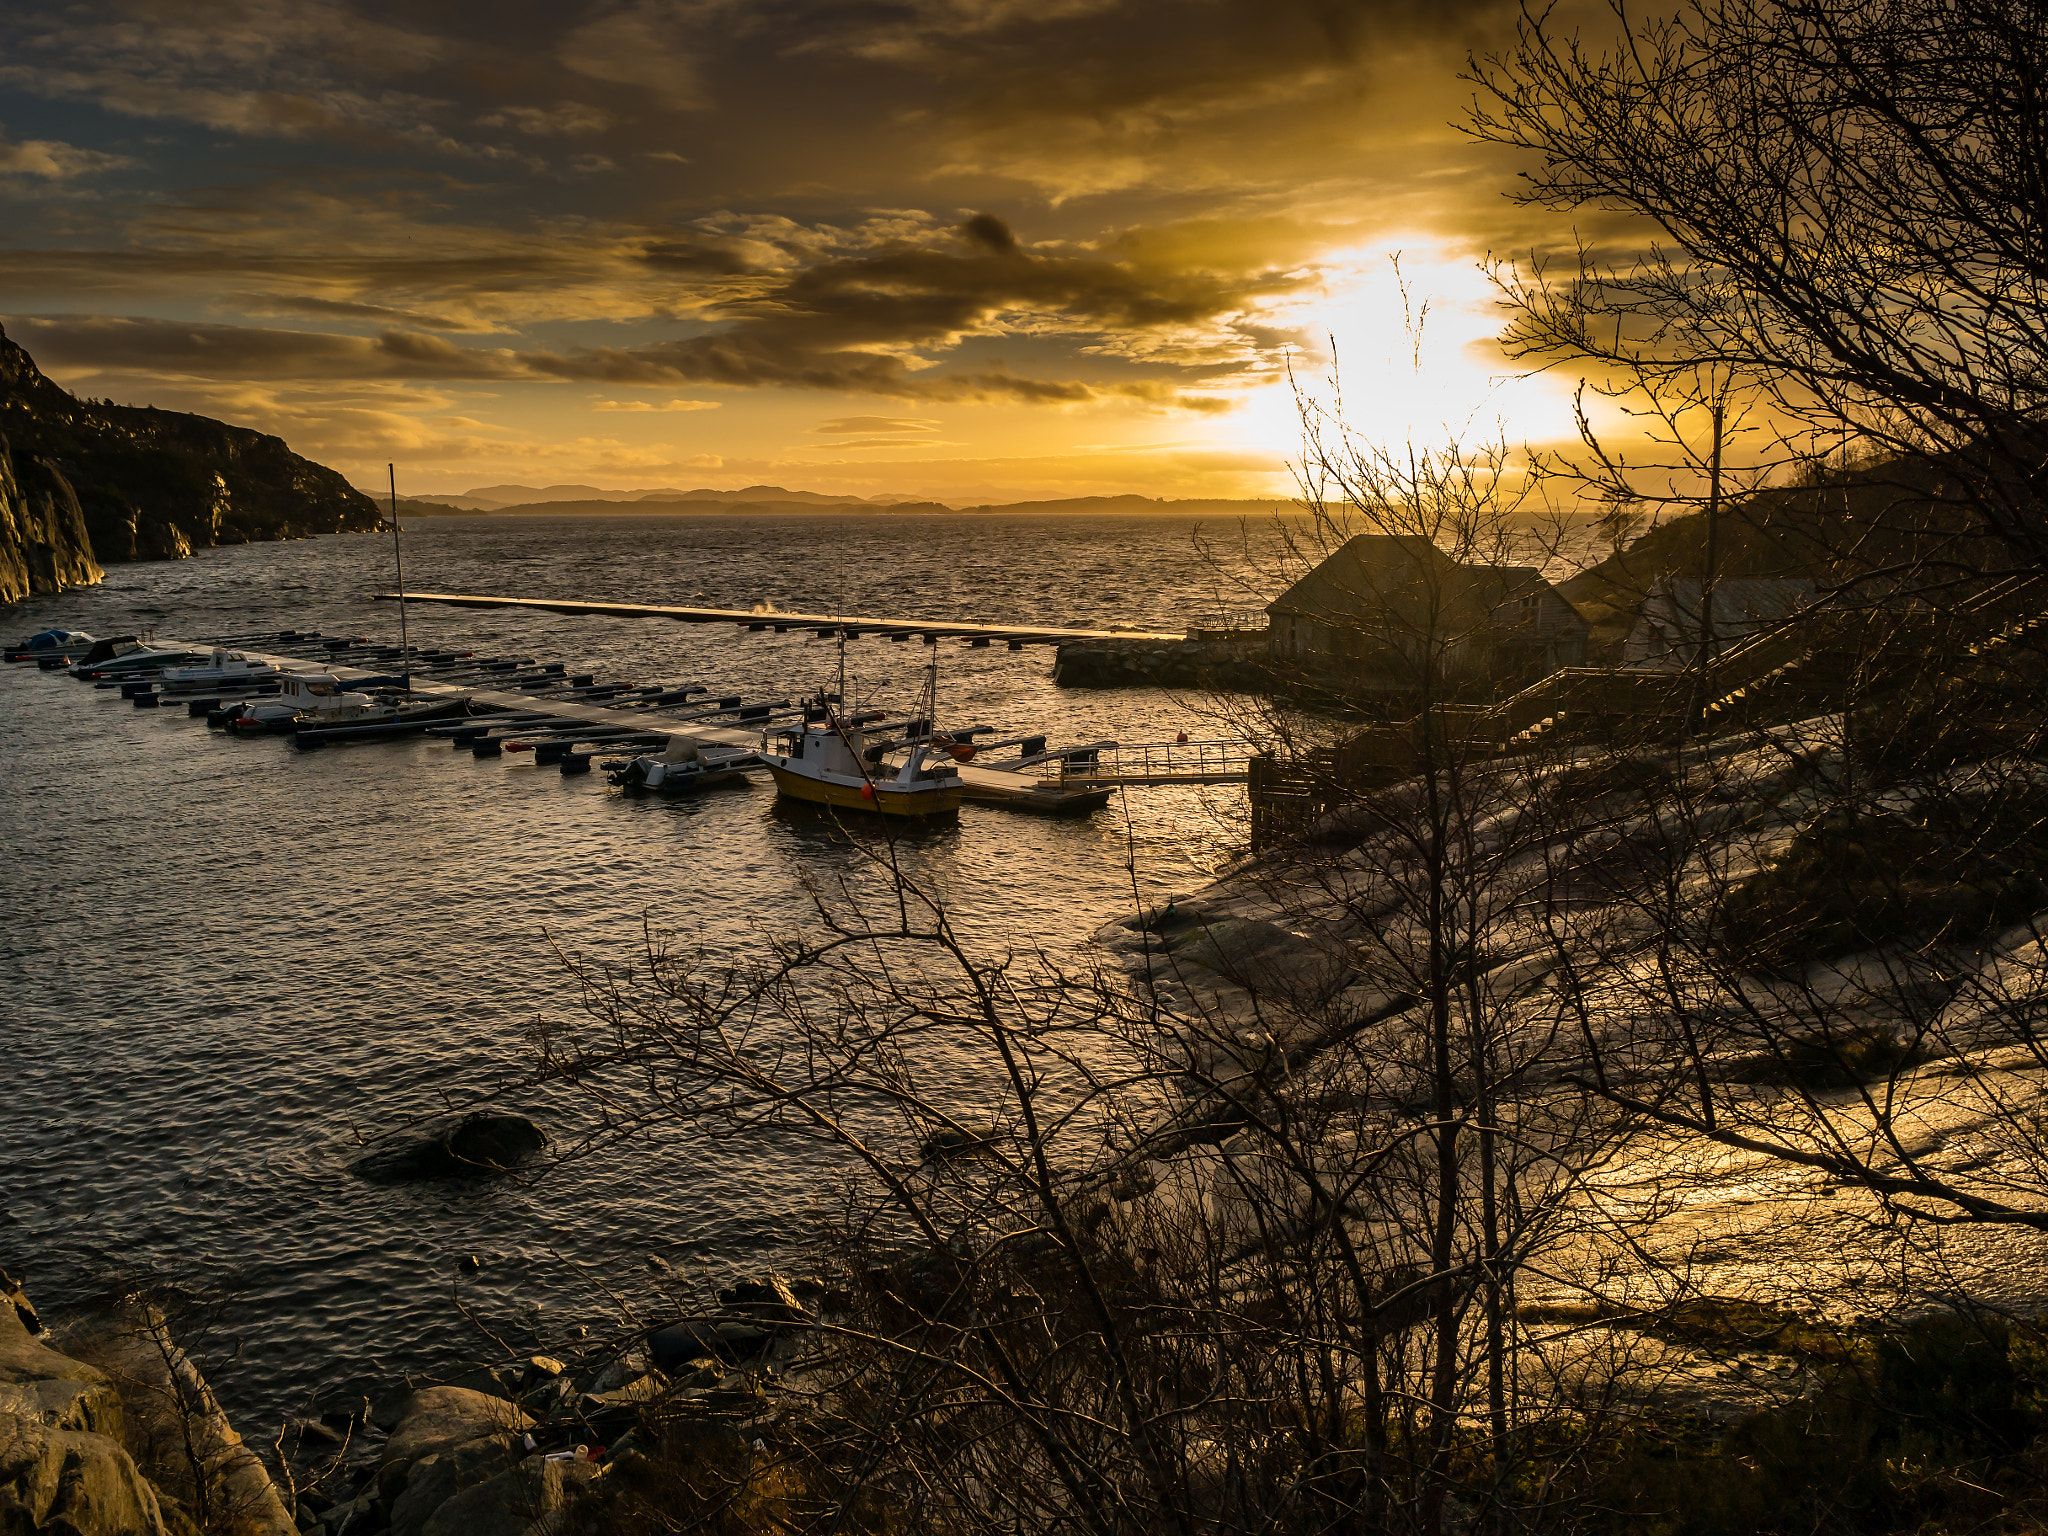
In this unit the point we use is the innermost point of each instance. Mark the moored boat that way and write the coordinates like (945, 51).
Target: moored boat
(124, 656)
(46, 644)
(316, 701)
(220, 669)
(682, 769)
(829, 759)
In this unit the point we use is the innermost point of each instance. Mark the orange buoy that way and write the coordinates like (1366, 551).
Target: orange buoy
(867, 791)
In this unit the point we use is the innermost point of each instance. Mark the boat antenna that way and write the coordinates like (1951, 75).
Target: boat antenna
(404, 644)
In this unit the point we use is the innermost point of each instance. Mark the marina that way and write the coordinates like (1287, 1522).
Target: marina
(336, 690)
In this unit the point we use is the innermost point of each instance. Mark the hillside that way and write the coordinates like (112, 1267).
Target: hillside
(145, 484)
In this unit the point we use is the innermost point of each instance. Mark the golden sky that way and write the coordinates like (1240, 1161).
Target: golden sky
(974, 250)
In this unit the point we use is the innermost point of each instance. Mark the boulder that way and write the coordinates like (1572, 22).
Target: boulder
(619, 1372)
(475, 1146)
(511, 1504)
(439, 1476)
(769, 1301)
(640, 1390)
(71, 1482)
(680, 1343)
(49, 1389)
(439, 1419)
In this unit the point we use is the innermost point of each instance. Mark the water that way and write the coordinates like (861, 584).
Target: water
(225, 957)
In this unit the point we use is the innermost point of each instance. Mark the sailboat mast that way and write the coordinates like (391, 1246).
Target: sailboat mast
(404, 643)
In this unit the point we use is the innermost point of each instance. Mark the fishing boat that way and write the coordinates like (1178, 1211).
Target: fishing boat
(46, 644)
(222, 668)
(830, 759)
(683, 769)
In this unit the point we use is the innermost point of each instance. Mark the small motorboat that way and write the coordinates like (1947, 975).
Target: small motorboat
(46, 644)
(315, 701)
(127, 657)
(683, 769)
(221, 669)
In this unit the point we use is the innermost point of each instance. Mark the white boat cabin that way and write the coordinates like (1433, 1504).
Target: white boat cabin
(221, 666)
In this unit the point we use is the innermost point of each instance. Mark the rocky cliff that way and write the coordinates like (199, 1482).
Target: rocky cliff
(43, 543)
(91, 482)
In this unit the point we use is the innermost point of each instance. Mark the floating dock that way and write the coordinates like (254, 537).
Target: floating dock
(1017, 636)
(522, 703)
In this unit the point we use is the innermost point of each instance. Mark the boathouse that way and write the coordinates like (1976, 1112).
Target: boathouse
(1666, 634)
(1384, 606)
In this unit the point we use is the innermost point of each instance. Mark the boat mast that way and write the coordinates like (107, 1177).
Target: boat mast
(404, 644)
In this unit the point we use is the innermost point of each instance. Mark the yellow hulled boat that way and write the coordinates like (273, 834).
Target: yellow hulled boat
(826, 762)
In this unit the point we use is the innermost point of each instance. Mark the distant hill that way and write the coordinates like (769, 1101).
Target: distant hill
(148, 484)
(488, 498)
(774, 498)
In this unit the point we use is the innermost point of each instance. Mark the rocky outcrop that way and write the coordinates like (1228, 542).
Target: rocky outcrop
(44, 546)
(146, 484)
(1227, 665)
(475, 1146)
(71, 1483)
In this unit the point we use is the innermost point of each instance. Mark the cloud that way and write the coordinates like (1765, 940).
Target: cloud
(650, 45)
(857, 424)
(568, 117)
(656, 405)
(53, 161)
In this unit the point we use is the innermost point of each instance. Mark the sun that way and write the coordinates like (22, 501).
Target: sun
(1404, 347)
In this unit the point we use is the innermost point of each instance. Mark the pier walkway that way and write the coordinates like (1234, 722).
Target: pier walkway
(1017, 636)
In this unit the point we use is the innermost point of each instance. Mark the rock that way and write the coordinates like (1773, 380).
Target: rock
(71, 1482)
(24, 1309)
(743, 1339)
(642, 1389)
(538, 1369)
(438, 1419)
(770, 1300)
(439, 1476)
(678, 1343)
(475, 1146)
(619, 1372)
(510, 1504)
(49, 1389)
(1137, 663)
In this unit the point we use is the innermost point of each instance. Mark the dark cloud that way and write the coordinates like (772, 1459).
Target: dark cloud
(991, 234)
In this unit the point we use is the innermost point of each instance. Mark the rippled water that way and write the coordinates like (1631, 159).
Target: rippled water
(224, 956)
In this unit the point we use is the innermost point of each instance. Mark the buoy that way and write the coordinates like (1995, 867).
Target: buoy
(867, 791)
(1181, 739)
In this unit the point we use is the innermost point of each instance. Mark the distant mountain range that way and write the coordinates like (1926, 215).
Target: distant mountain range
(492, 498)
(574, 500)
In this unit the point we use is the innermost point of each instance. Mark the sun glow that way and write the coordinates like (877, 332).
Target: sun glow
(1403, 345)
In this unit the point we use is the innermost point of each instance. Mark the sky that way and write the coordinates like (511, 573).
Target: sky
(972, 250)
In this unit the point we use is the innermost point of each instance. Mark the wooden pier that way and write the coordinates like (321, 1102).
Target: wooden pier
(1017, 636)
(519, 703)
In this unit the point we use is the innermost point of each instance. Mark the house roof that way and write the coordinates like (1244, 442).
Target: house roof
(1742, 606)
(1404, 580)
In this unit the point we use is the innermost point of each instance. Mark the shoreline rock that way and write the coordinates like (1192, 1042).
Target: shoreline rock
(1224, 665)
(479, 1145)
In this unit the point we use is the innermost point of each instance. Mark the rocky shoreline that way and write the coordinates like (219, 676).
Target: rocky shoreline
(107, 1427)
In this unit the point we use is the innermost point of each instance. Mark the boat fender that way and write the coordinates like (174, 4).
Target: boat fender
(867, 791)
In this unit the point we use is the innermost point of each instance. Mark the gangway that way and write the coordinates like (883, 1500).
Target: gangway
(1136, 765)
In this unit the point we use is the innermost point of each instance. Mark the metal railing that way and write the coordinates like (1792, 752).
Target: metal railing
(1163, 762)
